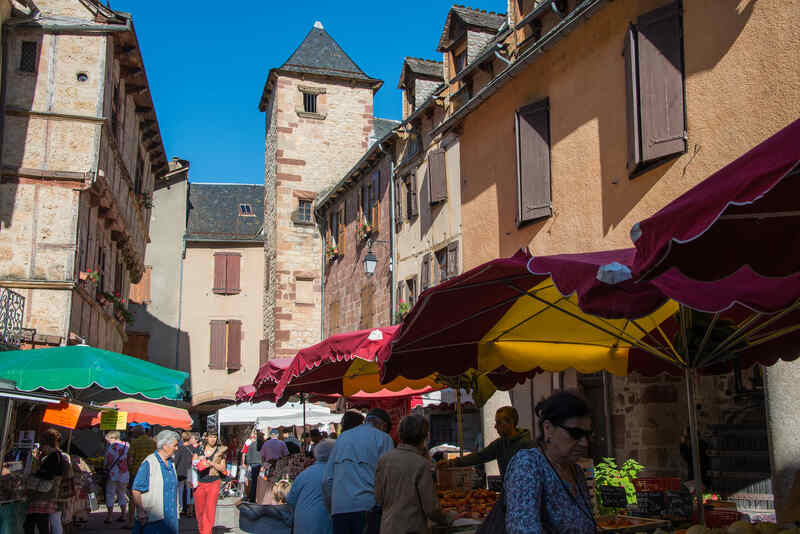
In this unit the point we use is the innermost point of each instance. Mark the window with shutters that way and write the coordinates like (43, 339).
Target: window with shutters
(119, 273)
(411, 290)
(226, 345)
(139, 179)
(28, 56)
(370, 204)
(425, 272)
(452, 259)
(398, 205)
(460, 61)
(227, 266)
(136, 345)
(653, 52)
(367, 307)
(437, 176)
(412, 208)
(534, 199)
(440, 271)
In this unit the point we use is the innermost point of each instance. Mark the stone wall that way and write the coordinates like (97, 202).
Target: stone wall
(312, 152)
(344, 277)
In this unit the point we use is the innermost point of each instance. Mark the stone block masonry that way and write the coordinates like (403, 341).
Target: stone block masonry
(305, 154)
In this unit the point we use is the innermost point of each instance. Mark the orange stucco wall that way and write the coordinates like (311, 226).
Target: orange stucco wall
(742, 70)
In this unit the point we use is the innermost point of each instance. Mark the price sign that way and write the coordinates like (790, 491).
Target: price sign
(66, 416)
(651, 503)
(113, 420)
(613, 496)
(679, 504)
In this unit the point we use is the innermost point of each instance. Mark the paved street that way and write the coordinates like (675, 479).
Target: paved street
(97, 526)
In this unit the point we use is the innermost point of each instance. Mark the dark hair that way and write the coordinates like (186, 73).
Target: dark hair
(351, 419)
(51, 437)
(382, 415)
(509, 412)
(413, 429)
(314, 433)
(559, 407)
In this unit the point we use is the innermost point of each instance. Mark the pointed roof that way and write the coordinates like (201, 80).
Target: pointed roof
(475, 18)
(320, 54)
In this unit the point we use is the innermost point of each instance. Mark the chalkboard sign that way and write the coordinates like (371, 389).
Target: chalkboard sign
(495, 483)
(613, 497)
(651, 503)
(679, 504)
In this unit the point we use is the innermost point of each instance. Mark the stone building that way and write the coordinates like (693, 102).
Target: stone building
(81, 153)
(356, 218)
(221, 291)
(566, 142)
(319, 122)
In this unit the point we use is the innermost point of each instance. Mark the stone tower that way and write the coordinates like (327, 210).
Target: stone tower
(319, 121)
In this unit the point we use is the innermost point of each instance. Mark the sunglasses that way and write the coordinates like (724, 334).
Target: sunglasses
(577, 433)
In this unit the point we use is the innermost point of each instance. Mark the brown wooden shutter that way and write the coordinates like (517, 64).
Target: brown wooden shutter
(375, 201)
(659, 49)
(533, 162)
(437, 176)
(412, 292)
(233, 262)
(340, 240)
(425, 272)
(398, 206)
(333, 317)
(632, 95)
(217, 352)
(412, 182)
(367, 308)
(263, 352)
(234, 345)
(452, 259)
(220, 264)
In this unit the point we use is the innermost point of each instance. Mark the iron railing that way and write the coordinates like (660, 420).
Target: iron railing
(12, 310)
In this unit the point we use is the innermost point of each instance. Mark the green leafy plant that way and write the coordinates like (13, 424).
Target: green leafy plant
(608, 473)
(402, 309)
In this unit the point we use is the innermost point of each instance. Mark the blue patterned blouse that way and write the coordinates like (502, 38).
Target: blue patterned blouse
(538, 501)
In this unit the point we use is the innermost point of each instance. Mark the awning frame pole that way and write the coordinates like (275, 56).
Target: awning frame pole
(694, 436)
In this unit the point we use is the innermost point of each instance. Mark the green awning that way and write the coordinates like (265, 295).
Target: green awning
(80, 367)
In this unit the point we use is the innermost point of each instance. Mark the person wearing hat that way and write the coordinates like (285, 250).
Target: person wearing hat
(349, 480)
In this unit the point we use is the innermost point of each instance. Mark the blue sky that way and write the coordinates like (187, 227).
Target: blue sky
(207, 62)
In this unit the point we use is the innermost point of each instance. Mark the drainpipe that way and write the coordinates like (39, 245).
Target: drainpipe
(3, 85)
(393, 264)
(499, 47)
(556, 10)
(322, 280)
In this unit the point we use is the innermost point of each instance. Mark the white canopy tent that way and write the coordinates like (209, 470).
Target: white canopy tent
(266, 414)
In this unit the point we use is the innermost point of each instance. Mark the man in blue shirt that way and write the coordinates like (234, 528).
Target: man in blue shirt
(349, 481)
(155, 488)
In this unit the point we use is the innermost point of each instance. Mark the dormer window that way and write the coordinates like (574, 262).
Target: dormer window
(460, 61)
(245, 210)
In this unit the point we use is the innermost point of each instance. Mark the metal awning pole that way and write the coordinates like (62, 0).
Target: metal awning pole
(459, 419)
(695, 443)
(302, 396)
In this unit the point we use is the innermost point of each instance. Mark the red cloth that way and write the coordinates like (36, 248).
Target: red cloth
(689, 234)
(205, 505)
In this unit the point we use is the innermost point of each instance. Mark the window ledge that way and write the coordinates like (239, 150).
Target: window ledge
(304, 223)
(310, 115)
(309, 304)
(308, 89)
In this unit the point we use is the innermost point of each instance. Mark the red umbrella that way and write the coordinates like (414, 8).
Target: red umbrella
(745, 214)
(140, 411)
(267, 377)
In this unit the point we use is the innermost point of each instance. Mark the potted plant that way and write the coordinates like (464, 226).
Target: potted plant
(332, 252)
(402, 309)
(89, 275)
(364, 230)
(608, 473)
(145, 200)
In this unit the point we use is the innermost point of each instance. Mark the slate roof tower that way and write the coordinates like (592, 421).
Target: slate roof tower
(319, 122)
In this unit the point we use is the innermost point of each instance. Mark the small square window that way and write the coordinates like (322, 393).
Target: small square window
(27, 59)
(304, 211)
(245, 210)
(309, 103)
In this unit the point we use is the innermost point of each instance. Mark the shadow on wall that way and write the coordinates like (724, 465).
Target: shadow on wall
(428, 213)
(583, 76)
(167, 346)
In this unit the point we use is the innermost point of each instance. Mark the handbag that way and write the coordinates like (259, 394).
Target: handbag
(495, 522)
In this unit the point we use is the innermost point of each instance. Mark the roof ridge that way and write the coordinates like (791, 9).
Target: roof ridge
(477, 10)
(426, 60)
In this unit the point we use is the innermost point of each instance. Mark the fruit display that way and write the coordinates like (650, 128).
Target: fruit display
(621, 523)
(476, 503)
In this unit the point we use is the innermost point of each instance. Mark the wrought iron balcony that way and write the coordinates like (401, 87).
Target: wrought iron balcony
(12, 309)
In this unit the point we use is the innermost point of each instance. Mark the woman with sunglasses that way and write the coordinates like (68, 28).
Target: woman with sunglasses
(545, 490)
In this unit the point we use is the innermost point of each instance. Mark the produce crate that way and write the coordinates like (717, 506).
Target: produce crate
(721, 517)
(656, 484)
(449, 478)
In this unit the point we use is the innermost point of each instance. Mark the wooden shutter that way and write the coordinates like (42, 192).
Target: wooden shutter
(440, 274)
(412, 291)
(437, 173)
(452, 259)
(632, 95)
(217, 352)
(232, 276)
(375, 203)
(533, 162)
(220, 264)
(425, 272)
(340, 238)
(412, 187)
(234, 345)
(333, 317)
(263, 352)
(660, 54)
(398, 206)
(366, 307)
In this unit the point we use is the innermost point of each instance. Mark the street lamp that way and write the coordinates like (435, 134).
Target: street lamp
(370, 262)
